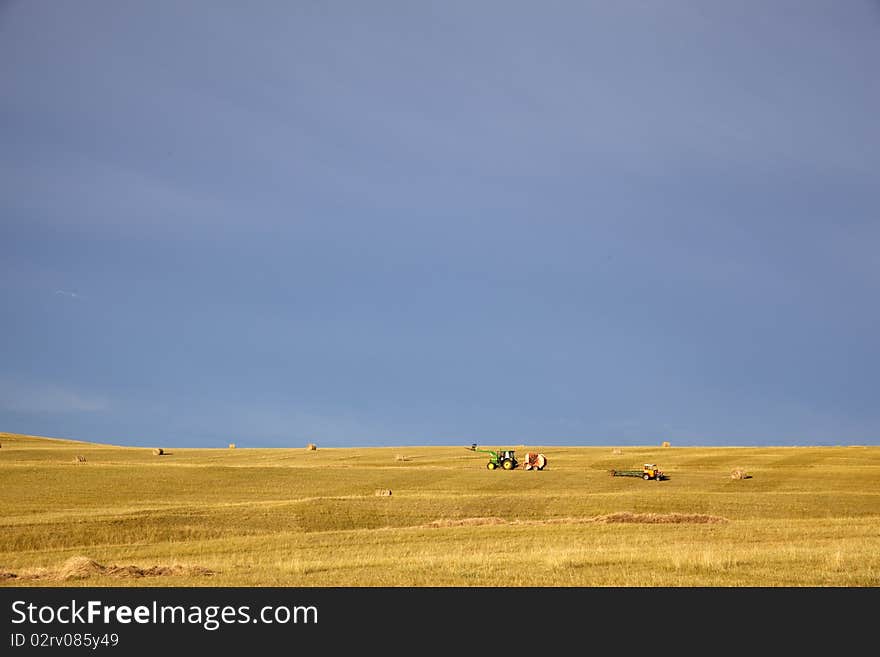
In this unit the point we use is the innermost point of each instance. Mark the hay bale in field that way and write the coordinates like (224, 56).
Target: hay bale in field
(383, 492)
(158, 451)
(665, 443)
(739, 473)
(79, 568)
(79, 459)
(534, 461)
(401, 457)
(231, 445)
(617, 451)
(311, 447)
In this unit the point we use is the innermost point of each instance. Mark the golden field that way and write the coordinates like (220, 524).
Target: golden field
(806, 516)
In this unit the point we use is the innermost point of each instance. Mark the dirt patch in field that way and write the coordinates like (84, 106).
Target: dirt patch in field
(83, 568)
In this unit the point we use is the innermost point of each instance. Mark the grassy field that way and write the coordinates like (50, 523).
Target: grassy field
(807, 516)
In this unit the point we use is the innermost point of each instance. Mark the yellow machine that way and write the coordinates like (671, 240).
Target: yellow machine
(649, 471)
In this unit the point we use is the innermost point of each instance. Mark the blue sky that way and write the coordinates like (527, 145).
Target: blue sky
(406, 223)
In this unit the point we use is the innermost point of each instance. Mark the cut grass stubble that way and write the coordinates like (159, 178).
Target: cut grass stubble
(803, 517)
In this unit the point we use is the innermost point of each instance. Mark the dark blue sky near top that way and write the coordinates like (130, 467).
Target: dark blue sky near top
(412, 223)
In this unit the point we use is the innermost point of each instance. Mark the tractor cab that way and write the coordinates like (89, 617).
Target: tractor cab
(503, 458)
(651, 471)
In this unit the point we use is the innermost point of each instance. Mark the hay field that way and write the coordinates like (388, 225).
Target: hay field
(88, 514)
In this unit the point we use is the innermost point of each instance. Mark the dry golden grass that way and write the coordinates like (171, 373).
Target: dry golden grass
(80, 567)
(292, 517)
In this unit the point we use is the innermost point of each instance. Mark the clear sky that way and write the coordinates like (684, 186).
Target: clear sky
(405, 223)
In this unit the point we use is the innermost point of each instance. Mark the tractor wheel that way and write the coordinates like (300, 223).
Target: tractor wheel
(491, 465)
(646, 476)
(507, 464)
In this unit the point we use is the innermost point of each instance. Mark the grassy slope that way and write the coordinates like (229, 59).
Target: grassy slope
(293, 517)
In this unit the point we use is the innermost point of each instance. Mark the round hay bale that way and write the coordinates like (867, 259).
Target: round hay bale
(231, 445)
(383, 492)
(739, 473)
(401, 457)
(665, 443)
(80, 459)
(617, 451)
(158, 451)
(311, 447)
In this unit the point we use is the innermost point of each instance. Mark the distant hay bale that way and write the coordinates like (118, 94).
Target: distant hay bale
(158, 451)
(383, 492)
(665, 443)
(617, 451)
(80, 459)
(311, 447)
(401, 457)
(231, 445)
(739, 473)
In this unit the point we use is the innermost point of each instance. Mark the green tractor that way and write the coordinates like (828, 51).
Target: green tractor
(503, 458)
